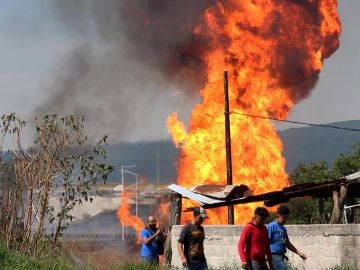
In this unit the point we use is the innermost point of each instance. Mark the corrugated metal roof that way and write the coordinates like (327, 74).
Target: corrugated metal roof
(354, 176)
(201, 199)
(226, 192)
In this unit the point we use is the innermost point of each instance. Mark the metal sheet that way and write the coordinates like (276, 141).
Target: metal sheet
(354, 176)
(227, 192)
(201, 199)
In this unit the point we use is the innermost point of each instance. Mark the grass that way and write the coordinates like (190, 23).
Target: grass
(336, 267)
(14, 260)
(137, 266)
(227, 266)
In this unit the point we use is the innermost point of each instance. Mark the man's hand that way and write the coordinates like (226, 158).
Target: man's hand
(244, 265)
(184, 262)
(157, 232)
(302, 255)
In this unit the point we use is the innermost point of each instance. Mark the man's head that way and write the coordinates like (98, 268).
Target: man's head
(199, 215)
(282, 214)
(151, 220)
(260, 216)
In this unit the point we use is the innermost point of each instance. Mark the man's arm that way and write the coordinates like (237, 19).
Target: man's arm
(295, 250)
(268, 250)
(242, 245)
(147, 240)
(180, 247)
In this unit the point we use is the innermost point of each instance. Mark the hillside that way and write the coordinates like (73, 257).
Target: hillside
(156, 161)
(309, 144)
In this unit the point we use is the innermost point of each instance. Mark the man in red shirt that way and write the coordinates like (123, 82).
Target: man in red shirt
(254, 245)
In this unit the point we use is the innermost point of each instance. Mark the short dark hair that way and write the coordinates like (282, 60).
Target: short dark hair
(262, 212)
(283, 210)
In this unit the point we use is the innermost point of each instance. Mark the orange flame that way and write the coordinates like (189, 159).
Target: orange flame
(273, 52)
(126, 218)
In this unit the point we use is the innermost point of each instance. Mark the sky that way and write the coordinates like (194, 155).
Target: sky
(38, 48)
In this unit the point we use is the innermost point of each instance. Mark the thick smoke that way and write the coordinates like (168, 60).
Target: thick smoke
(127, 70)
(137, 61)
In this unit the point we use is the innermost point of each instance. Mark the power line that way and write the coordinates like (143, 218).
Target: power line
(296, 122)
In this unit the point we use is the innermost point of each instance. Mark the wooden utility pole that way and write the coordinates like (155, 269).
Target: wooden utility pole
(228, 145)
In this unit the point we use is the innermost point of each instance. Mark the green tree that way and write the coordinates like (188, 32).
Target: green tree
(61, 161)
(345, 164)
(315, 172)
(310, 210)
(324, 210)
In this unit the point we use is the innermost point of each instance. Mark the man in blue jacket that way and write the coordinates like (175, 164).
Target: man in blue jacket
(279, 239)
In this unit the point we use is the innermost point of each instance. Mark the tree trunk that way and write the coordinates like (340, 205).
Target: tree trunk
(338, 198)
(175, 218)
(351, 216)
(322, 218)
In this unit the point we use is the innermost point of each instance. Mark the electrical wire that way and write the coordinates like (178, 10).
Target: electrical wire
(295, 122)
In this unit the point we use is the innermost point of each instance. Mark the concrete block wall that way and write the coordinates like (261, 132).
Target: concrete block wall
(324, 245)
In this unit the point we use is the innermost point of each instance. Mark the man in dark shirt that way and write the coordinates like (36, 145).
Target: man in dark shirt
(254, 246)
(191, 242)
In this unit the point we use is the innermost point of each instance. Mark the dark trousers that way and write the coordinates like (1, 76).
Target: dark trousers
(257, 265)
(197, 266)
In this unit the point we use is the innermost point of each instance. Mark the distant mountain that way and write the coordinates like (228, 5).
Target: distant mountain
(309, 144)
(156, 161)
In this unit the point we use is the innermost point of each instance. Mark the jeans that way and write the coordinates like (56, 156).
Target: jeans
(278, 262)
(196, 266)
(150, 260)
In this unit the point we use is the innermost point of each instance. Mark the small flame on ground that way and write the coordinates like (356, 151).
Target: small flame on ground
(126, 218)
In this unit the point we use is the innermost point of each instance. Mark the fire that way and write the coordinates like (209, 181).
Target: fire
(273, 51)
(163, 215)
(126, 218)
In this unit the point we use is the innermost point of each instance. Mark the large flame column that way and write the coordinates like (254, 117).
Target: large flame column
(273, 52)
